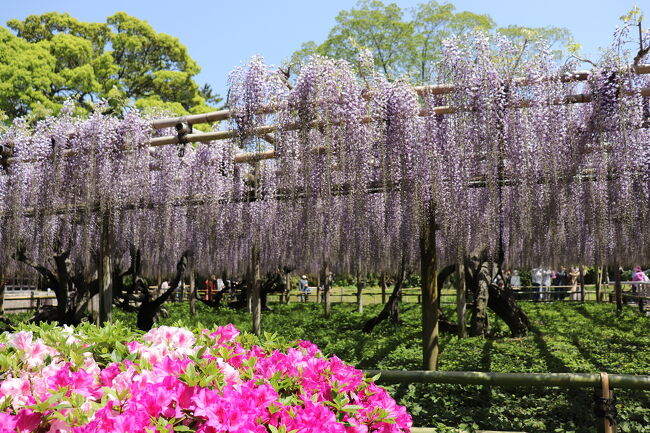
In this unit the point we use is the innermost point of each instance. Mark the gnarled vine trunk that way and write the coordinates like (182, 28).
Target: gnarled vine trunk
(484, 279)
(391, 308)
(72, 291)
(150, 307)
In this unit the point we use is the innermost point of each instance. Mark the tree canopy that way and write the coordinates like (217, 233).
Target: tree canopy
(409, 42)
(53, 57)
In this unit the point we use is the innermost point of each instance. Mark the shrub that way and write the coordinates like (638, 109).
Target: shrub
(111, 379)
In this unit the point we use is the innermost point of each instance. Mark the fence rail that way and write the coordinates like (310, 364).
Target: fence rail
(23, 301)
(602, 383)
(560, 380)
(15, 302)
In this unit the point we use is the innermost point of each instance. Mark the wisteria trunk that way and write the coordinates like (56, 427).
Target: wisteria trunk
(479, 282)
(502, 302)
(460, 300)
(391, 308)
(618, 291)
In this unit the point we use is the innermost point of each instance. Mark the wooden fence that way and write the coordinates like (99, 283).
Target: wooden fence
(18, 301)
(523, 293)
(602, 383)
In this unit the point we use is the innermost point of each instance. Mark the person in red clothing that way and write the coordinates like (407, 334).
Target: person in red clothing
(210, 287)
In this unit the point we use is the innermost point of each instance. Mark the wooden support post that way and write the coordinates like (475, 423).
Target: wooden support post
(256, 305)
(598, 281)
(429, 276)
(318, 288)
(461, 303)
(383, 288)
(287, 288)
(105, 270)
(327, 303)
(2, 292)
(360, 284)
(604, 406)
(582, 283)
(192, 292)
(618, 290)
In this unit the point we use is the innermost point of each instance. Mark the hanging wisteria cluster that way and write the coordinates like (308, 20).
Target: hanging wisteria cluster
(511, 167)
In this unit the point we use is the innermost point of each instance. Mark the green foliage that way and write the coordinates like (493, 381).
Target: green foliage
(559, 39)
(409, 42)
(54, 57)
(566, 337)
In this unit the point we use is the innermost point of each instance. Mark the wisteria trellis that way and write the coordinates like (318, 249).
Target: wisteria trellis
(549, 182)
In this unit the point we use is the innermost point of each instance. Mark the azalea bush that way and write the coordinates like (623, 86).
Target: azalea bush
(89, 379)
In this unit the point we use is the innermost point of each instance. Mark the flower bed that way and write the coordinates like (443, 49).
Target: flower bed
(171, 379)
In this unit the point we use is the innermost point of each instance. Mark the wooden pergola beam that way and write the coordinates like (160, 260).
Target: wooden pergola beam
(265, 130)
(436, 89)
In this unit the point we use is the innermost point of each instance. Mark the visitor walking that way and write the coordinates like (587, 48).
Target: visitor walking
(220, 285)
(303, 288)
(515, 280)
(537, 276)
(210, 287)
(163, 287)
(560, 281)
(641, 277)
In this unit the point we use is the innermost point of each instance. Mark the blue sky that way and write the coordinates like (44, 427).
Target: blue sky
(222, 34)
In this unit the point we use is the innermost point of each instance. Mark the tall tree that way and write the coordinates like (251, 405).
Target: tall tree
(53, 57)
(376, 26)
(409, 42)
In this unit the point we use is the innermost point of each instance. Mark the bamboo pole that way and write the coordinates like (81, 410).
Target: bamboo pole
(263, 131)
(563, 380)
(604, 425)
(435, 89)
(207, 137)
